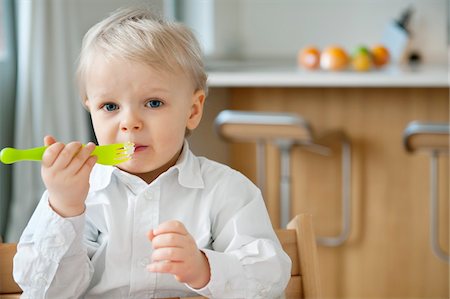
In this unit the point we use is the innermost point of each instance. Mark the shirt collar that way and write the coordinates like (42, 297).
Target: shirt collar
(189, 170)
(188, 166)
(100, 177)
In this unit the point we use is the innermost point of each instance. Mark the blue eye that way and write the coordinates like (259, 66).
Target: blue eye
(154, 103)
(110, 107)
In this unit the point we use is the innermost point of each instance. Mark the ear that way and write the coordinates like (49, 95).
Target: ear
(196, 111)
(86, 105)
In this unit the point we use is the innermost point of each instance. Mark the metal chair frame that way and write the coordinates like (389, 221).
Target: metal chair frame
(419, 130)
(229, 125)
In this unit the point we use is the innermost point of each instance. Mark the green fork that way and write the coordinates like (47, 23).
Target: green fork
(110, 154)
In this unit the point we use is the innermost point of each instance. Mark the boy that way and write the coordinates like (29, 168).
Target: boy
(165, 223)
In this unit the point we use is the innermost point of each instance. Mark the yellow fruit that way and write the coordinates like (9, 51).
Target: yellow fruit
(361, 63)
(334, 58)
(309, 58)
(361, 60)
(380, 55)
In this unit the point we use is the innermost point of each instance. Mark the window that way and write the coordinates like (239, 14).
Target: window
(2, 33)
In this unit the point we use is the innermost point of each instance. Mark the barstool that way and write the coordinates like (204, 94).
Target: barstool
(433, 139)
(284, 130)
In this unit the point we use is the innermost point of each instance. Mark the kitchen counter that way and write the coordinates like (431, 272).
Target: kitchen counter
(245, 74)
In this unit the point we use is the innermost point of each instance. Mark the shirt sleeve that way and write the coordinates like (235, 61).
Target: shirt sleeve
(247, 260)
(51, 260)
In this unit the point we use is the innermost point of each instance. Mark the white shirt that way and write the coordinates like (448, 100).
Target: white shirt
(104, 252)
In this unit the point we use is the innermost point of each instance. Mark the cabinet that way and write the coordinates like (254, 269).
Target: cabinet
(388, 253)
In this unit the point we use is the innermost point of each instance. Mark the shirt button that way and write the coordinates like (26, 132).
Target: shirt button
(144, 262)
(149, 195)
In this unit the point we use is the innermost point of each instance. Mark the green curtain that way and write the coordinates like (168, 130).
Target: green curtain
(7, 102)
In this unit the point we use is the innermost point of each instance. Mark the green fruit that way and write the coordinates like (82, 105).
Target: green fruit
(361, 50)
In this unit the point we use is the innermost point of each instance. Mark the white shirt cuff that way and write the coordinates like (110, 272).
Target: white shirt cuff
(226, 276)
(57, 236)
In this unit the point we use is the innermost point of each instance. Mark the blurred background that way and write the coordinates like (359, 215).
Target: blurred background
(314, 58)
(255, 29)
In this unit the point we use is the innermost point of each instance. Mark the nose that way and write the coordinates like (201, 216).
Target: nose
(131, 122)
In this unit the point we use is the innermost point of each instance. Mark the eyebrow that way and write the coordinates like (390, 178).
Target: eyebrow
(158, 89)
(106, 94)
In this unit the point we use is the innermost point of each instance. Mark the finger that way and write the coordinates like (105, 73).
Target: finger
(51, 154)
(169, 254)
(150, 235)
(169, 240)
(164, 267)
(49, 140)
(67, 154)
(86, 169)
(80, 158)
(171, 226)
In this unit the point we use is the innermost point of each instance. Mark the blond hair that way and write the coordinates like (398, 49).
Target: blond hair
(139, 35)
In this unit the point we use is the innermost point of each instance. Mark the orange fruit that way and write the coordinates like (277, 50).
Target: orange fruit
(334, 58)
(309, 58)
(380, 55)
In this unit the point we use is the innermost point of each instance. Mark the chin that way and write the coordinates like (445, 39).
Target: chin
(133, 167)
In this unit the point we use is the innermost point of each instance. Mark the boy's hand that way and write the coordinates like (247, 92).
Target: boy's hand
(65, 171)
(176, 252)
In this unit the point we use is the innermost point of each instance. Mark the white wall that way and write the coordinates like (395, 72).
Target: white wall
(93, 11)
(253, 29)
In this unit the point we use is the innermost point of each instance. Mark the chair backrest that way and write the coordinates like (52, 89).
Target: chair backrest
(8, 287)
(299, 242)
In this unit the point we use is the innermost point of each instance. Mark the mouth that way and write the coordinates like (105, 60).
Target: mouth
(139, 148)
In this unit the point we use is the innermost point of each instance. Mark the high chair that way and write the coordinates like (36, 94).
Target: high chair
(298, 241)
(8, 288)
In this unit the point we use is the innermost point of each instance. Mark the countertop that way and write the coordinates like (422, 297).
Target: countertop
(257, 74)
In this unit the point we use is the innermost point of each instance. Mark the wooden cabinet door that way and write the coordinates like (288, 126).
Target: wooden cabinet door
(388, 254)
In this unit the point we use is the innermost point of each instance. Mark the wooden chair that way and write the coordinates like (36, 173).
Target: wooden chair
(8, 288)
(298, 241)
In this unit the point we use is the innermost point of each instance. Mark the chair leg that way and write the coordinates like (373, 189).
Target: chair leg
(307, 252)
(434, 209)
(346, 199)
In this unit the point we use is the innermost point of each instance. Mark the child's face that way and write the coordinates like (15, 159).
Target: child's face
(131, 101)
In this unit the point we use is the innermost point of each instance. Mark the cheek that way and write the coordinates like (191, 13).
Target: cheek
(168, 132)
(170, 123)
